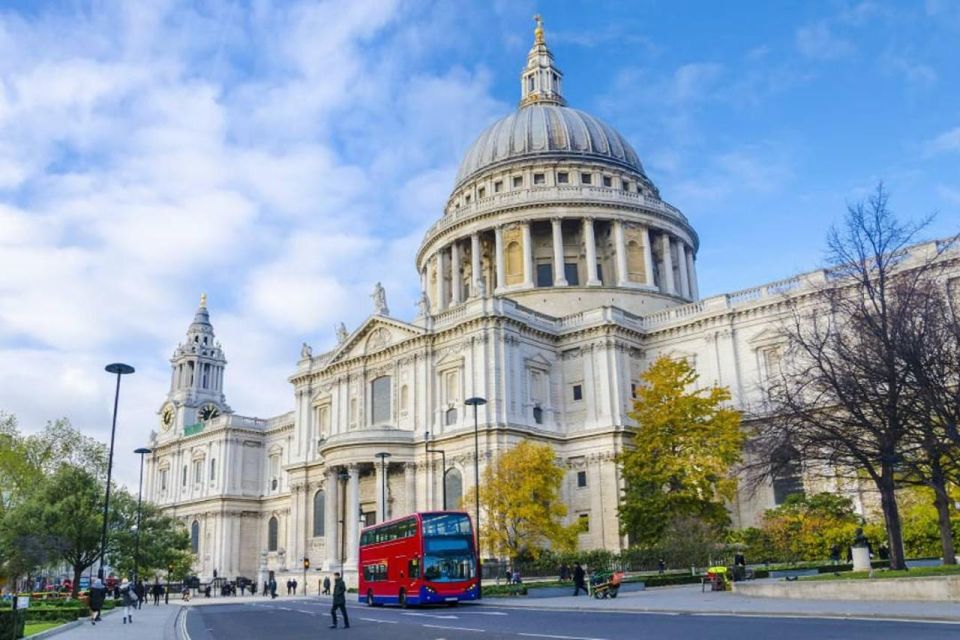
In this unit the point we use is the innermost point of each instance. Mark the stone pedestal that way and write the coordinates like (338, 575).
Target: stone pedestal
(861, 558)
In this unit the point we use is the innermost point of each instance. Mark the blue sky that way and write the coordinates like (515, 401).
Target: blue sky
(285, 156)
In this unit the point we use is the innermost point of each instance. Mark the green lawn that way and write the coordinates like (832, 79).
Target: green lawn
(885, 574)
(36, 627)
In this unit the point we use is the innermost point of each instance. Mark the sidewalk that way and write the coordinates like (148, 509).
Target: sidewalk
(149, 623)
(689, 600)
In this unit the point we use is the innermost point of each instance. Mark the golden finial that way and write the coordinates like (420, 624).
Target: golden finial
(538, 32)
(203, 300)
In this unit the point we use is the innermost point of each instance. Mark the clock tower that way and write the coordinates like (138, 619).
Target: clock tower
(196, 382)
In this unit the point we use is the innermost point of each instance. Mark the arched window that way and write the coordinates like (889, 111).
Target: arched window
(514, 260)
(272, 534)
(318, 513)
(450, 417)
(453, 483)
(380, 400)
(195, 537)
(636, 264)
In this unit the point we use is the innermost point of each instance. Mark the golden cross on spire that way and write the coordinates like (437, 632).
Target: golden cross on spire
(538, 32)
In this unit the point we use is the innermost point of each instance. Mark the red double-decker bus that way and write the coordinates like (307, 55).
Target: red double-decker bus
(423, 558)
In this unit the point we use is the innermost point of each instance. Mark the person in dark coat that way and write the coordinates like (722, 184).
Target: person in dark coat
(128, 596)
(98, 594)
(326, 585)
(273, 588)
(339, 601)
(579, 579)
(141, 593)
(156, 591)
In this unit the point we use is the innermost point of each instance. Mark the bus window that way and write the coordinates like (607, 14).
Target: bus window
(413, 568)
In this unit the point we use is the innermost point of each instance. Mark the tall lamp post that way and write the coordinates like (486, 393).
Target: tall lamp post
(120, 369)
(383, 455)
(476, 402)
(343, 475)
(443, 463)
(142, 451)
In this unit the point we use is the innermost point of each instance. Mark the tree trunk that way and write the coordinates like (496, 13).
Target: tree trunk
(942, 502)
(75, 587)
(891, 517)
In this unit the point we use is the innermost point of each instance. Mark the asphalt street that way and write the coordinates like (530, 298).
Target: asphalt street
(310, 618)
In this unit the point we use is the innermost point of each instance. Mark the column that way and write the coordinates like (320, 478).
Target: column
(455, 279)
(353, 514)
(501, 275)
(692, 275)
(527, 256)
(648, 257)
(591, 243)
(623, 278)
(441, 280)
(682, 263)
(475, 273)
(331, 494)
(382, 512)
(666, 276)
(559, 275)
(410, 486)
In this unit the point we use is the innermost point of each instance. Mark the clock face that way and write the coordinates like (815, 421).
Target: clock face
(208, 412)
(167, 415)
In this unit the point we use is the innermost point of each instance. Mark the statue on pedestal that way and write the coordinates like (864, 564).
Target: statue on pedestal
(342, 334)
(306, 351)
(380, 300)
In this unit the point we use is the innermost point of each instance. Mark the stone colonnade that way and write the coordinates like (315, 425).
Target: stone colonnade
(502, 259)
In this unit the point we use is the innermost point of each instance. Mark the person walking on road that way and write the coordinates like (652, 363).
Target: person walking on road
(156, 591)
(141, 592)
(97, 595)
(326, 585)
(339, 601)
(128, 594)
(579, 579)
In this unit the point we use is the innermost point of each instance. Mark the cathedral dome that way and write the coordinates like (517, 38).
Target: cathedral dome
(545, 131)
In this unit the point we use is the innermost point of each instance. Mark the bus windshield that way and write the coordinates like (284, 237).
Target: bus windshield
(448, 548)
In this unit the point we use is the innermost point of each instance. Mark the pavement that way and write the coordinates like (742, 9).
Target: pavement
(688, 599)
(149, 623)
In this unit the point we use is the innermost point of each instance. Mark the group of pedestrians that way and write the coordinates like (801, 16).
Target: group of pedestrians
(292, 587)
(129, 594)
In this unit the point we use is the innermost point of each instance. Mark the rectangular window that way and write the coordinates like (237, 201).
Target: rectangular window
(498, 186)
(184, 475)
(213, 469)
(571, 273)
(633, 390)
(538, 178)
(545, 275)
(481, 192)
(626, 185)
(584, 520)
(380, 399)
(607, 181)
(581, 479)
(413, 568)
(163, 480)
(599, 272)
(578, 392)
(517, 182)
(586, 178)
(198, 471)
(563, 177)
(466, 198)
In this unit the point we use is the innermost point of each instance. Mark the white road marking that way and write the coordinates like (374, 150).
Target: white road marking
(379, 620)
(547, 635)
(432, 615)
(485, 613)
(440, 626)
(309, 613)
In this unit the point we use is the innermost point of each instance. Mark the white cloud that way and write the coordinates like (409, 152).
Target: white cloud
(818, 41)
(946, 142)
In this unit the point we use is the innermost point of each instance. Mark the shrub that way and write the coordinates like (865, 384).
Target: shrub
(10, 619)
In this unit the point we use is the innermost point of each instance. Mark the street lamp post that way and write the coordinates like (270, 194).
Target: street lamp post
(343, 475)
(142, 451)
(120, 369)
(476, 402)
(443, 463)
(383, 455)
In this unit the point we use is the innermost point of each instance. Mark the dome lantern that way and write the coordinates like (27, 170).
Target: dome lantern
(540, 80)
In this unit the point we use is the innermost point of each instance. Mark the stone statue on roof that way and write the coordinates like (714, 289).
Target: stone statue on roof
(306, 351)
(380, 300)
(342, 334)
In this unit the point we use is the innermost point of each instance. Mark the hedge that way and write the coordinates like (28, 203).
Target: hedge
(9, 617)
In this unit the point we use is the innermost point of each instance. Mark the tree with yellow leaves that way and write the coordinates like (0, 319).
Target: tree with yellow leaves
(685, 443)
(521, 505)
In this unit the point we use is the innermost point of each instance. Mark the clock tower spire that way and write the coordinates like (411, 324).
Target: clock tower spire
(196, 382)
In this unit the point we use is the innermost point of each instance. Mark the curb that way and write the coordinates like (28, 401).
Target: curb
(64, 627)
(824, 615)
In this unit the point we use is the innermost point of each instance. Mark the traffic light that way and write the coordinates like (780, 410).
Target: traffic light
(306, 563)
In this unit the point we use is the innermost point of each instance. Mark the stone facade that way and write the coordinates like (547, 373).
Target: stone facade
(554, 277)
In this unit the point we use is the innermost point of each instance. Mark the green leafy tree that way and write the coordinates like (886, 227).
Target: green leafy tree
(164, 541)
(63, 517)
(808, 527)
(684, 448)
(520, 500)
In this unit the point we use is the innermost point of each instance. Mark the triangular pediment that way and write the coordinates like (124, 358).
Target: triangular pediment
(374, 335)
(766, 337)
